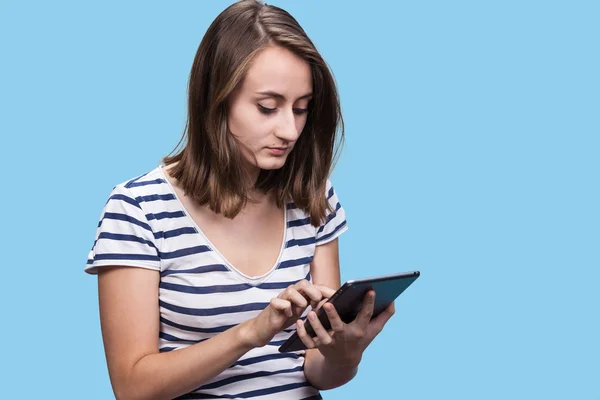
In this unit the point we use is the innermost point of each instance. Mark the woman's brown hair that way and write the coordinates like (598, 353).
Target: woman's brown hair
(210, 167)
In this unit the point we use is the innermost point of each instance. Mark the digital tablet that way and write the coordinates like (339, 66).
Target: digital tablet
(348, 302)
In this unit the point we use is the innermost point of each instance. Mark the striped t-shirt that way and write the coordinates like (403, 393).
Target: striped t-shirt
(144, 224)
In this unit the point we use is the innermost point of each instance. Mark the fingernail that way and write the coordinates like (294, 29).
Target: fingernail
(311, 315)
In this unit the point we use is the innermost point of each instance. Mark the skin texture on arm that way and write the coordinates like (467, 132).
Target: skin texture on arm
(130, 326)
(325, 270)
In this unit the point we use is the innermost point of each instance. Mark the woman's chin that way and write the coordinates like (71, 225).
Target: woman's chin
(271, 163)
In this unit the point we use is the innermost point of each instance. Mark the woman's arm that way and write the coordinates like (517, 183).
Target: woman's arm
(323, 375)
(129, 316)
(325, 270)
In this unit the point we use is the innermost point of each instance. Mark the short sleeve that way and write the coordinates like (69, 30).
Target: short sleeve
(124, 236)
(335, 223)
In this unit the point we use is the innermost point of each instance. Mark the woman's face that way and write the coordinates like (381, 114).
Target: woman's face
(267, 112)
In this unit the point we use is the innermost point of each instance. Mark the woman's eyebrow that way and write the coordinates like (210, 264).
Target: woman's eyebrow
(280, 96)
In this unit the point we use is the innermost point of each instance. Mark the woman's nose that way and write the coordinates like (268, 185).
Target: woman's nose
(287, 127)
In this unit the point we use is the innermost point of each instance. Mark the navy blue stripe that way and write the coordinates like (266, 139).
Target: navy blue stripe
(205, 289)
(298, 222)
(244, 377)
(275, 285)
(330, 193)
(268, 357)
(174, 232)
(126, 238)
(128, 184)
(126, 199)
(166, 214)
(120, 256)
(90, 261)
(300, 242)
(172, 338)
(126, 218)
(203, 312)
(166, 349)
(325, 237)
(145, 183)
(245, 395)
(156, 197)
(197, 270)
(280, 285)
(184, 252)
(198, 396)
(216, 329)
(331, 216)
(271, 390)
(295, 263)
(277, 343)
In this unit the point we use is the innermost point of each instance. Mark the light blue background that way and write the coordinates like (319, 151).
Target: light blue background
(471, 155)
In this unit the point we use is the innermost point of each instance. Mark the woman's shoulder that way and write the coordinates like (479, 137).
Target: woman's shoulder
(150, 183)
(152, 177)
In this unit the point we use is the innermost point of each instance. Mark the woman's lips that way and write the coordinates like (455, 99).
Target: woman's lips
(278, 151)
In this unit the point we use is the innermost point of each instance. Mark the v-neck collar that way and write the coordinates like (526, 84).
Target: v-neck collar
(252, 280)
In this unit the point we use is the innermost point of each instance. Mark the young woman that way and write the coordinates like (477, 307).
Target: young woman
(208, 263)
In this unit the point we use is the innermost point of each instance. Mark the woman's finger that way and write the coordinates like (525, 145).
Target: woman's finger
(385, 316)
(303, 335)
(313, 294)
(318, 328)
(294, 296)
(320, 304)
(334, 318)
(325, 290)
(366, 312)
(282, 305)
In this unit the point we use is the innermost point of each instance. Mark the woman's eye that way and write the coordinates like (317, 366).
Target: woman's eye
(265, 110)
(300, 111)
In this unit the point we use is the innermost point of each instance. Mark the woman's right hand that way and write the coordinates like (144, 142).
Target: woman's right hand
(284, 310)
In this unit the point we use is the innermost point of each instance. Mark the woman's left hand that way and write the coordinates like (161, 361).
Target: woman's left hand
(345, 343)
